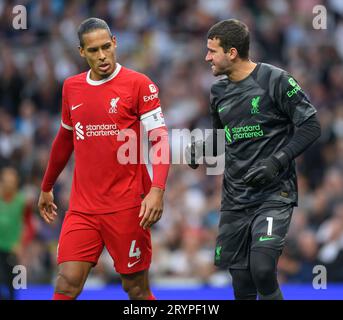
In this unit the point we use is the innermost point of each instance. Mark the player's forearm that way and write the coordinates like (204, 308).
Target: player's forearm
(161, 156)
(303, 138)
(160, 175)
(61, 151)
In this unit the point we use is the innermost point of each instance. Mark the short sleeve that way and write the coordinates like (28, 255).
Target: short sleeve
(292, 100)
(66, 119)
(148, 99)
(216, 122)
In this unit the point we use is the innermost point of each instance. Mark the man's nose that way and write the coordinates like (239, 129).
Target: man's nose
(101, 55)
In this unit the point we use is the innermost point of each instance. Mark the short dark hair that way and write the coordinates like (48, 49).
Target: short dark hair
(231, 33)
(89, 25)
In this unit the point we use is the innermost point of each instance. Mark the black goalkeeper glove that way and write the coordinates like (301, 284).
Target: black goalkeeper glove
(194, 152)
(265, 171)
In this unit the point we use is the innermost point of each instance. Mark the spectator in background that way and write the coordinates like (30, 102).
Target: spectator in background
(13, 212)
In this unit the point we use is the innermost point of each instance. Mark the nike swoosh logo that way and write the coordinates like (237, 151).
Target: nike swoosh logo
(221, 109)
(265, 238)
(130, 265)
(75, 107)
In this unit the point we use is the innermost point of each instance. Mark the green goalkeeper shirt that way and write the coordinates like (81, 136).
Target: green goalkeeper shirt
(11, 221)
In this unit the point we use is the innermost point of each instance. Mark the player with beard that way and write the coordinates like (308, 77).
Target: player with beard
(268, 121)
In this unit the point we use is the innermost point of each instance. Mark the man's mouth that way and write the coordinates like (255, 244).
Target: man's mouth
(104, 67)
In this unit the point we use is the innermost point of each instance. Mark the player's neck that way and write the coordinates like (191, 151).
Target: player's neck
(242, 70)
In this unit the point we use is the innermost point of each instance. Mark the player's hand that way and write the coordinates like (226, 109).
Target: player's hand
(262, 173)
(47, 207)
(151, 207)
(193, 153)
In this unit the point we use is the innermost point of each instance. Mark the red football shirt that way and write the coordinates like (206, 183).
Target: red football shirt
(97, 111)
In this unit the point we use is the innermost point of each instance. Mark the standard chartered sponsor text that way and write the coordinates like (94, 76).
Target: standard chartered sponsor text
(97, 130)
(247, 132)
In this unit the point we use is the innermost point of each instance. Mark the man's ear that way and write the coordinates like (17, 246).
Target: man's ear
(82, 52)
(233, 53)
(114, 41)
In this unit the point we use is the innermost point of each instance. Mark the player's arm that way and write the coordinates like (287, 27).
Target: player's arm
(61, 150)
(294, 103)
(152, 205)
(196, 151)
(150, 114)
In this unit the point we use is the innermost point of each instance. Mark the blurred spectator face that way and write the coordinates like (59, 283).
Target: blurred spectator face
(9, 181)
(27, 109)
(307, 245)
(320, 202)
(221, 62)
(99, 51)
(6, 123)
(333, 182)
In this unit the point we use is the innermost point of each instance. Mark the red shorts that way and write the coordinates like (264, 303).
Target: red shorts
(83, 237)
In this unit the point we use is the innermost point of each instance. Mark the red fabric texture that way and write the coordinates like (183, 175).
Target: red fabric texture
(160, 156)
(59, 296)
(61, 150)
(83, 237)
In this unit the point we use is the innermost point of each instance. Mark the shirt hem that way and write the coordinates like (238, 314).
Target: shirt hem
(85, 210)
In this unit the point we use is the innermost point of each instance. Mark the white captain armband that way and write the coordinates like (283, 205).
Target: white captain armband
(153, 119)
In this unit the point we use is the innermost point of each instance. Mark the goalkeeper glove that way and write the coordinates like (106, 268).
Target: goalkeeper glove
(265, 171)
(194, 152)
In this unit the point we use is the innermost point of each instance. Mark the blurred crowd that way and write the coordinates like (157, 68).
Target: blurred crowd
(167, 41)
